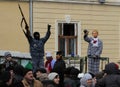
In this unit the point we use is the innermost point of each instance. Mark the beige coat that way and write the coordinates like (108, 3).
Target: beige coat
(36, 83)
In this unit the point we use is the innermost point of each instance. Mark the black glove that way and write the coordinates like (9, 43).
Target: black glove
(86, 32)
(49, 26)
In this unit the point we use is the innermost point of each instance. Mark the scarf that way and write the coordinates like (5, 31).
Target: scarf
(95, 42)
(48, 64)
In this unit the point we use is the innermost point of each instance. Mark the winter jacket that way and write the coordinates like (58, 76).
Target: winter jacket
(36, 83)
(109, 81)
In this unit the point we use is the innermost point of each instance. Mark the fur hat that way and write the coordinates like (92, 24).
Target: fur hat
(52, 75)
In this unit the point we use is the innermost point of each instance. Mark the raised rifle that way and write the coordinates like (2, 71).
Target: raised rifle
(23, 18)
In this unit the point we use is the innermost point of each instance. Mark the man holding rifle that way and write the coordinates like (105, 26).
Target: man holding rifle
(37, 47)
(36, 44)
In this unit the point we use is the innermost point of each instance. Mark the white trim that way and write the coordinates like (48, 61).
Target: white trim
(79, 38)
(56, 35)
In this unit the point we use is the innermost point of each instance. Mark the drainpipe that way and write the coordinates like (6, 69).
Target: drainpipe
(31, 16)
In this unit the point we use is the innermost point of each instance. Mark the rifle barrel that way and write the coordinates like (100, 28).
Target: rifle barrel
(23, 18)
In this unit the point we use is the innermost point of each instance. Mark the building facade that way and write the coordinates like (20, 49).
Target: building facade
(68, 19)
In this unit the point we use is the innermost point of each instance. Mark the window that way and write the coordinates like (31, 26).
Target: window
(67, 38)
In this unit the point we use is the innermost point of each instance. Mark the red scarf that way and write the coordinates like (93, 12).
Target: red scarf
(48, 64)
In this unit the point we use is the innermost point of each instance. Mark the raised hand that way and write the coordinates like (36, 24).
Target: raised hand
(86, 32)
(49, 26)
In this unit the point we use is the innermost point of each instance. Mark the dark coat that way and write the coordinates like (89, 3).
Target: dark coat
(59, 67)
(68, 82)
(2, 84)
(109, 81)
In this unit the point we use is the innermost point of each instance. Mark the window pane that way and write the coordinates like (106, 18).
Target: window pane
(72, 47)
(60, 29)
(62, 45)
(68, 29)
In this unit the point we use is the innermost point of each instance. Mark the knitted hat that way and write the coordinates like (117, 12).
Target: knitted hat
(111, 68)
(52, 75)
(5, 76)
(6, 54)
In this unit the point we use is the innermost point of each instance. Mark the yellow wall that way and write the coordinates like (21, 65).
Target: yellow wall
(104, 18)
(11, 35)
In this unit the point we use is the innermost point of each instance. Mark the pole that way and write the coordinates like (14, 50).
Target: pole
(31, 16)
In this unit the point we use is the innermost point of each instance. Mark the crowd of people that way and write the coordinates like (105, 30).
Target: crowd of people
(54, 73)
(13, 74)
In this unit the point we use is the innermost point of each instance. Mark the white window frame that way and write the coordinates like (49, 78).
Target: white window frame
(78, 38)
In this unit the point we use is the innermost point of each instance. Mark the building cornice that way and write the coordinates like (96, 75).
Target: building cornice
(83, 2)
(96, 2)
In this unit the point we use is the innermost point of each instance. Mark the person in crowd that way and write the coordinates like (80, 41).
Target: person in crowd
(11, 70)
(49, 64)
(18, 74)
(99, 75)
(87, 80)
(29, 80)
(74, 76)
(54, 77)
(9, 61)
(59, 67)
(94, 51)
(37, 47)
(41, 74)
(48, 83)
(68, 82)
(111, 77)
(5, 79)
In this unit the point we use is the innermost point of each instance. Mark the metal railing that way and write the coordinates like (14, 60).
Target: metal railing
(82, 62)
